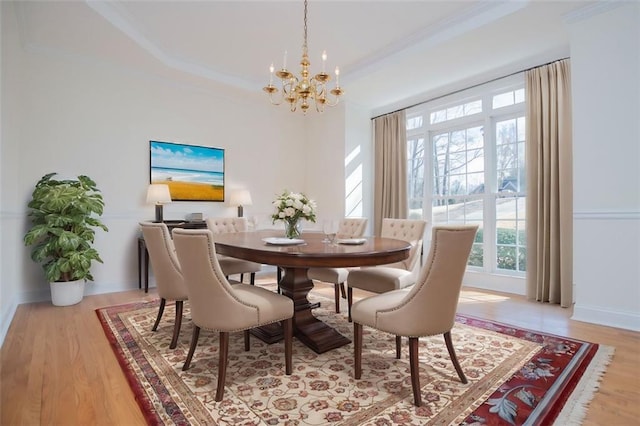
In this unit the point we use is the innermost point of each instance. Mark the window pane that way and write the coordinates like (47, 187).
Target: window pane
(415, 148)
(502, 100)
(475, 137)
(511, 233)
(438, 116)
(519, 96)
(473, 107)
(521, 128)
(455, 112)
(414, 123)
(475, 161)
(475, 183)
(506, 132)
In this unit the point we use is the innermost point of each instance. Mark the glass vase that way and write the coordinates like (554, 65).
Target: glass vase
(292, 228)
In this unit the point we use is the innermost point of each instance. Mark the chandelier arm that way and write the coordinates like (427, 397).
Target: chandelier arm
(299, 91)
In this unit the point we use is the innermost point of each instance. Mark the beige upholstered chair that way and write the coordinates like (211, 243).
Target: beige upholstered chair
(218, 306)
(383, 278)
(166, 269)
(426, 309)
(348, 228)
(232, 265)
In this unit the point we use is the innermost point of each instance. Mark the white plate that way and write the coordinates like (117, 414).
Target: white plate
(352, 241)
(282, 241)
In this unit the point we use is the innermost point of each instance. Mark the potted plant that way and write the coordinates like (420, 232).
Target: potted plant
(63, 215)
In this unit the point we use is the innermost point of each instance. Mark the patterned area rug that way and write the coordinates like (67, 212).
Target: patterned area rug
(515, 376)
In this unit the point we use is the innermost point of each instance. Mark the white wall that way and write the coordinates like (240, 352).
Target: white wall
(325, 161)
(11, 215)
(605, 68)
(61, 114)
(358, 147)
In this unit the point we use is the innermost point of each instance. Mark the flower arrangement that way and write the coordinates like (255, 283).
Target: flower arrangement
(290, 208)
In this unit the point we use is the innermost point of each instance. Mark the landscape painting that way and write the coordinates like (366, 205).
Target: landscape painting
(193, 173)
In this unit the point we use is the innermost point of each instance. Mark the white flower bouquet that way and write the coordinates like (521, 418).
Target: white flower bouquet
(293, 206)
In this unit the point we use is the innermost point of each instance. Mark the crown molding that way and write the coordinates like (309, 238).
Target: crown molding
(592, 10)
(117, 16)
(446, 29)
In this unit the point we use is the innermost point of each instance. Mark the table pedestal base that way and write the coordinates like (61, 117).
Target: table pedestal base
(308, 329)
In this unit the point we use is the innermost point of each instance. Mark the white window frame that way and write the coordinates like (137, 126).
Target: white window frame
(488, 276)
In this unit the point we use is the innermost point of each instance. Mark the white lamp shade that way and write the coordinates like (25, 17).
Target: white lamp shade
(158, 193)
(241, 197)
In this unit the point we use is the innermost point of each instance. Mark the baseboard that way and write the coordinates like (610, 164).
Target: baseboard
(7, 317)
(597, 315)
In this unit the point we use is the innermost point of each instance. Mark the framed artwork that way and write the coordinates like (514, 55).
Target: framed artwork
(193, 173)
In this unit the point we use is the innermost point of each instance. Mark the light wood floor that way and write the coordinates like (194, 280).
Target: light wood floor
(58, 368)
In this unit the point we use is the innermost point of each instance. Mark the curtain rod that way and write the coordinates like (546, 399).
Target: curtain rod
(470, 87)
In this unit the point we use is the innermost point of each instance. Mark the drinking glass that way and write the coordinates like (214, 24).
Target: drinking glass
(326, 229)
(330, 229)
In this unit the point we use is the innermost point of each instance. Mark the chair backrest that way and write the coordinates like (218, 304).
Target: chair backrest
(223, 225)
(214, 304)
(430, 306)
(165, 264)
(352, 227)
(409, 230)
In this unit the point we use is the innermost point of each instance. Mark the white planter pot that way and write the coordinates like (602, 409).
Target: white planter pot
(67, 293)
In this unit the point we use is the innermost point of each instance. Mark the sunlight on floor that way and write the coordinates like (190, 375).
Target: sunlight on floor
(471, 296)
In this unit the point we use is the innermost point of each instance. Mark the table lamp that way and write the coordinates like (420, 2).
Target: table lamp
(240, 198)
(158, 194)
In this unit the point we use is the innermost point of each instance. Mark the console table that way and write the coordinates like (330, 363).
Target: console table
(143, 254)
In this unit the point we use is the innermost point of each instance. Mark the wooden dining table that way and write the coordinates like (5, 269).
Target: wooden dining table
(295, 260)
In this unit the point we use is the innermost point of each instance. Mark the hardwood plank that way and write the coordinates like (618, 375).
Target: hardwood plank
(57, 366)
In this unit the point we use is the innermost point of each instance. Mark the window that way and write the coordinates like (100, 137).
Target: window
(466, 155)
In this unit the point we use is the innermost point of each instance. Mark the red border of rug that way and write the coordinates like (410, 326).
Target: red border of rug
(554, 404)
(573, 367)
(147, 408)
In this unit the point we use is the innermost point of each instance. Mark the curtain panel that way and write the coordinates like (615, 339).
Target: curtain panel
(390, 169)
(550, 184)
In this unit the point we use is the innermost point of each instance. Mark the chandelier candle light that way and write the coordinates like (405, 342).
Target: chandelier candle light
(301, 90)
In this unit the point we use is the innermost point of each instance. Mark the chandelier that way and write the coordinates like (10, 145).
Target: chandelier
(302, 90)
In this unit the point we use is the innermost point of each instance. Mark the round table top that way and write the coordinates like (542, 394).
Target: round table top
(311, 252)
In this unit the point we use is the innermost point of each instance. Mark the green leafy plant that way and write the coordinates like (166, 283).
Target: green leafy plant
(63, 216)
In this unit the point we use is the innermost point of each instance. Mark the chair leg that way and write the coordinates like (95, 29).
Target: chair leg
(357, 350)
(343, 291)
(349, 300)
(247, 340)
(279, 277)
(194, 342)
(398, 348)
(177, 324)
(252, 279)
(415, 371)
(454, 358)
(160, 312)
(222, 364)
(336, 291)
(287, 326)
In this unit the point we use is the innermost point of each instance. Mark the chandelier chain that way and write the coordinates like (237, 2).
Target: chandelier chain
(304, 45)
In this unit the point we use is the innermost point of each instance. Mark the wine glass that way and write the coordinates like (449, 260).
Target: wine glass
(326, 229)
(330, 229)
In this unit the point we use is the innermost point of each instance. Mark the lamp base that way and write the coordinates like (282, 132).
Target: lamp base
(240, 211)
(159, 213)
